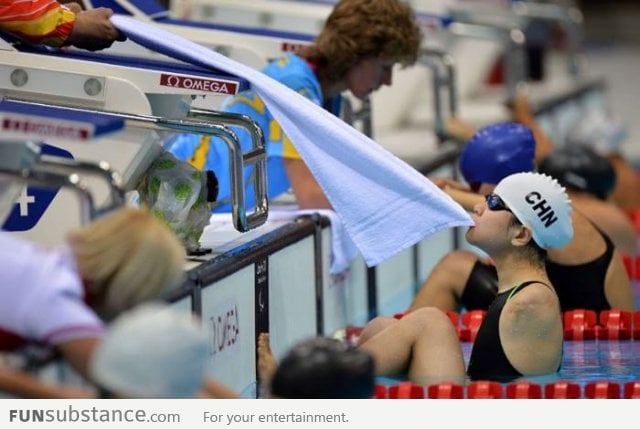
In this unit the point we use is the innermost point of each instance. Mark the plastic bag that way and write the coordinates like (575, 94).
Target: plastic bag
(179, 195)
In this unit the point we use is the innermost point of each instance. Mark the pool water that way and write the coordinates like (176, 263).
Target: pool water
(587, 361)
(582, 361)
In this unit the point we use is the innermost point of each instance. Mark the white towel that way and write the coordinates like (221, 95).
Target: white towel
(384, 204)
(221, 235)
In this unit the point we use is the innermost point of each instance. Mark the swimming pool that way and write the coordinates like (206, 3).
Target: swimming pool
(584, 363)
(598, 368)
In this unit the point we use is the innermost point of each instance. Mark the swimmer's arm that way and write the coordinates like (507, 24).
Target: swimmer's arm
(523, 113)
(25, 385)
(465, 198)
(309, 194)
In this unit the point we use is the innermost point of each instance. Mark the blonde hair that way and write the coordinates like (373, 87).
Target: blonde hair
(361, 29)
(126, 258)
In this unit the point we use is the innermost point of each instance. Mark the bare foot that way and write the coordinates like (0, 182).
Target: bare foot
(267, 363)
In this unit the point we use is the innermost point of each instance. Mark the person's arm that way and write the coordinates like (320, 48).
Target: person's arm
(465, 198)
(523, 113)
(459, 192)
(50, 23)
(459, 130)
(309, 194)
(25, 385)
(444, 182)
(530, 330)
(78, 353)
(92, 29)
(37, 21)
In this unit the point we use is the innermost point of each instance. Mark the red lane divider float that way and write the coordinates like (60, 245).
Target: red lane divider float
(524, 390)
(632, 390)
(454, 317)
(579, 325)
(380, 391)
(484, 390)
(602, 390)
(471, 322)
(406, 390)
(616, 325)
(562, 390)
(445, 391)
(636, 325)
(635, 218)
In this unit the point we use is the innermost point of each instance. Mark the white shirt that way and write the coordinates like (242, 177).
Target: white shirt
(41, 293)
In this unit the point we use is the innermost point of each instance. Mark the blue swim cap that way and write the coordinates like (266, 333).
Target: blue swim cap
(496, 151)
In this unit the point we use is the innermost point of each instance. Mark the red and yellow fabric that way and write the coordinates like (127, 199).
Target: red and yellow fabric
(38, 21)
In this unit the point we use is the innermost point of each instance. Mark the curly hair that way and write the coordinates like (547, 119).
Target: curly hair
(360, 29)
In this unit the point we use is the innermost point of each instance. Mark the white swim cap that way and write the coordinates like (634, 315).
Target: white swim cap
(152, 351)
(539, 202)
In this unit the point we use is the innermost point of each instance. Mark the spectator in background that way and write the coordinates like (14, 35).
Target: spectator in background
(155, 351)
(50, 23)
(151, 351)
(355, 51)
(59, 295)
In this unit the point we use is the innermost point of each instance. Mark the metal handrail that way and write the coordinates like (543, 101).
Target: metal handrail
(257, 155)
(364, 114)
(29, 171)
(242, 221)
(102, 169)
(442, 66)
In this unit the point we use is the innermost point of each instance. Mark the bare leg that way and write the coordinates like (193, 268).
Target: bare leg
(424, 343)
(267, 363)
(374, 326)
(445, 285)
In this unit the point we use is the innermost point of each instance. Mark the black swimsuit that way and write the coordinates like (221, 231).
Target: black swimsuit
(578, 286)
(582, 286)
(488, 360)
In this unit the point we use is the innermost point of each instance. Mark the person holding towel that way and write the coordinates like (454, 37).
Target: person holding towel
(356, 50)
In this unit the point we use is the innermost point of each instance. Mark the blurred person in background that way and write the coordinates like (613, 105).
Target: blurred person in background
(355, 51)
